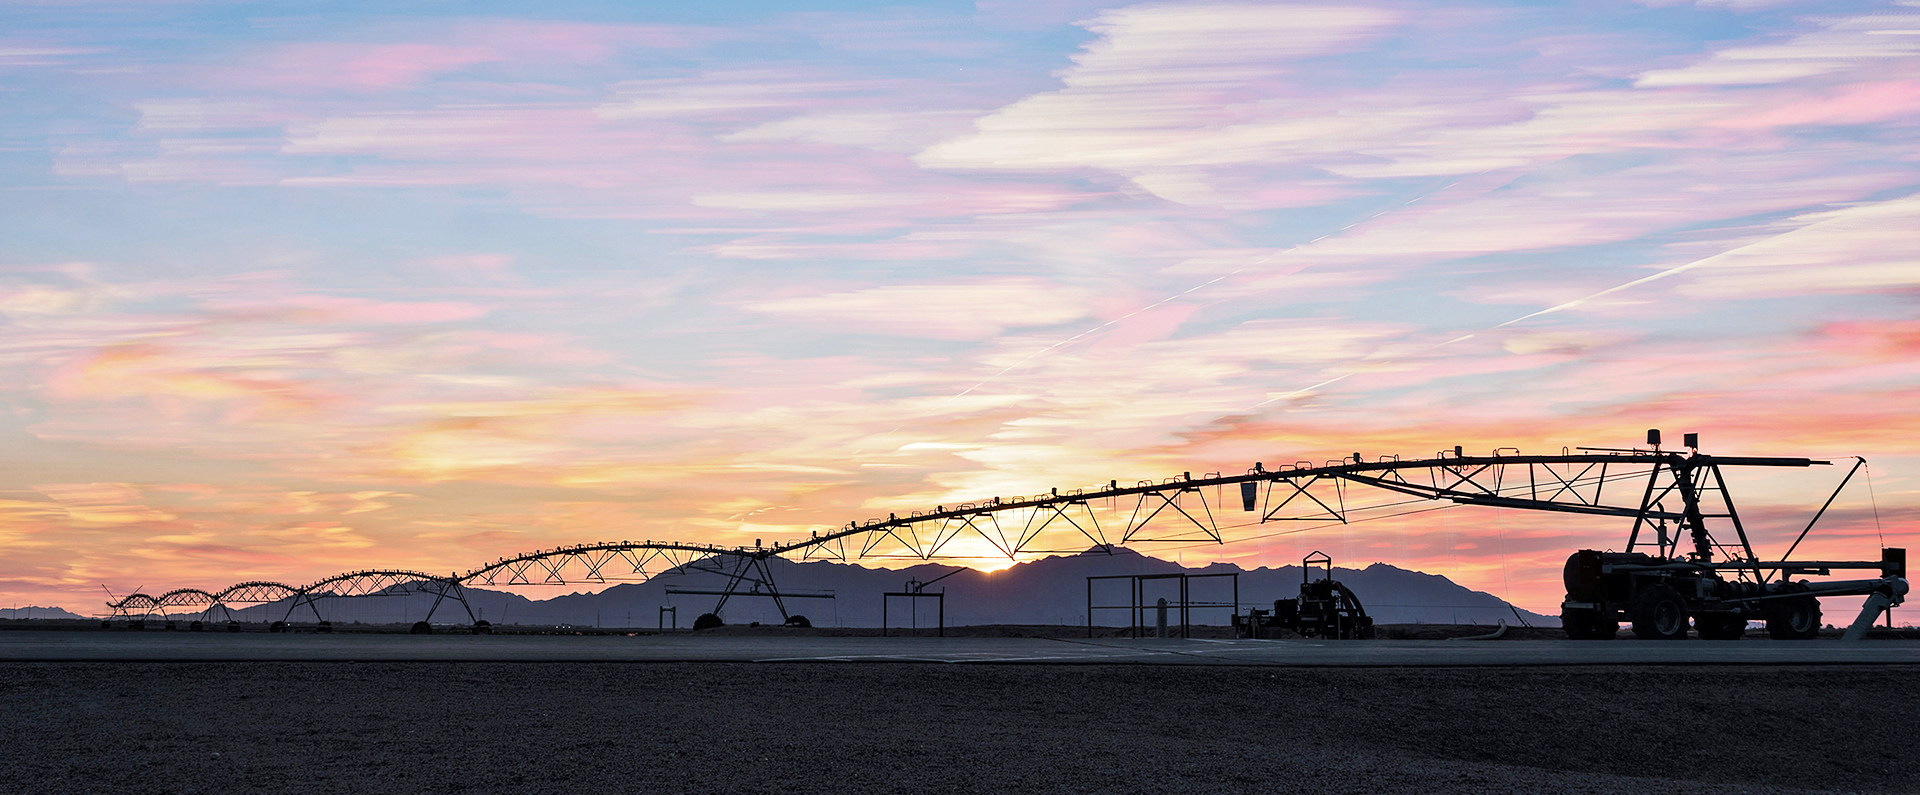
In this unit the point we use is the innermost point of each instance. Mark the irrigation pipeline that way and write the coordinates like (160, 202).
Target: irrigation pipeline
(1674, 496)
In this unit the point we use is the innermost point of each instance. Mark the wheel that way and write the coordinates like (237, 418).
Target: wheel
(1582, 624)
(1720, 626)
(1797, 618)
(707, 621)
(797, 620)
(1659, 614)
(420, 628)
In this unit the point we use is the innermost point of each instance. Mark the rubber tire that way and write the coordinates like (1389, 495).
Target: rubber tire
(1720, 626)
(1588, 624)
(1794, 619)
(420, 628)
(800, 621)
(707, 621)
(1659, 614)
(483, 627)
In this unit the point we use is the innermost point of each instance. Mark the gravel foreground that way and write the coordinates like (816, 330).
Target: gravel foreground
(907, 728)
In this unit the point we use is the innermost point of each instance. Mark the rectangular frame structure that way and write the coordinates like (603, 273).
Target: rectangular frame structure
(1137, 608)
(940, 598)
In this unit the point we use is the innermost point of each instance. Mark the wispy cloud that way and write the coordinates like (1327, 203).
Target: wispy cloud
(426, 290)
(1843, 45)
(966, 311)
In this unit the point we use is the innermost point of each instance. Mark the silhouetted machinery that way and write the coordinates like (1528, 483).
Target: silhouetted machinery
(1657, 595)
(1674, 575)
(1720, 585)
(1324, 609)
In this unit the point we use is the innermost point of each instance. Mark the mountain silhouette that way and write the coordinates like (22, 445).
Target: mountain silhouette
(1051, 590)
(37, 613)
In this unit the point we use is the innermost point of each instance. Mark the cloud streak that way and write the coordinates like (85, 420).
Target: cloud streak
(421, 291)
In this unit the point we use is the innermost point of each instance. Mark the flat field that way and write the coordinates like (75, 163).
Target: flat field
(447, 727)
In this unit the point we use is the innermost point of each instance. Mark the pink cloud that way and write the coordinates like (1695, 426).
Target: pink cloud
(361, 310)
(577, 41)
(955, 311)
(367, 66)
(1150, 324)
(1895, 340)
(1856, 103)
(1136, 184)
(449, 48)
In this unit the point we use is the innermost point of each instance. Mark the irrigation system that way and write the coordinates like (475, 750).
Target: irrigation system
(1686, 532)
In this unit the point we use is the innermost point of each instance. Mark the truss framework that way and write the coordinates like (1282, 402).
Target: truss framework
(1680, 498)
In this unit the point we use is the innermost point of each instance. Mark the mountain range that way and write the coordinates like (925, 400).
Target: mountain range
(1052, 590)
(25, 613)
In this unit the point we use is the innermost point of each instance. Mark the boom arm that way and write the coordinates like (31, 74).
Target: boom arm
(1681, 490)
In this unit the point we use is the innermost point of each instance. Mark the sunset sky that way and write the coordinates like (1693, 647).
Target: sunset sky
(295, 288)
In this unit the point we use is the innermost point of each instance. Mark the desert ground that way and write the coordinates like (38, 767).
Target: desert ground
(432, 727)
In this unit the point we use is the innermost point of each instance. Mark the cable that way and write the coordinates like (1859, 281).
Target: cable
(1506, 578)
(1875, 502)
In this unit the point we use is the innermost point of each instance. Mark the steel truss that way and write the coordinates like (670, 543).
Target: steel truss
(257, 592)
(1679, 493)
(379, 582)
(1672, 497)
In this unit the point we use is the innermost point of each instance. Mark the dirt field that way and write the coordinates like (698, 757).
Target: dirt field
(892, 728)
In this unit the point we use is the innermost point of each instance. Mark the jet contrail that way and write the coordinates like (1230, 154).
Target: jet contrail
(1549, 310)
(1673, 271)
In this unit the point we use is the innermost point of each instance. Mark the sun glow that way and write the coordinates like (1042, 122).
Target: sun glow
(532, 282)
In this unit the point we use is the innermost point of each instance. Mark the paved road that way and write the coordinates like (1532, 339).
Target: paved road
(156, 646)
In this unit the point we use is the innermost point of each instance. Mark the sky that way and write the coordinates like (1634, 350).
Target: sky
(295, 288)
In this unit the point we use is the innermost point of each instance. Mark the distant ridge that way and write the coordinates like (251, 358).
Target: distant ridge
(37, 613)
(1051, 590)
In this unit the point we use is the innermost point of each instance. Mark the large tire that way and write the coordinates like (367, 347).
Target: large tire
(1576, 623)
(1720, 626)
(797, 620)
(1797, 618)
(1658, 613)
(1583, 624)
(707, 621)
